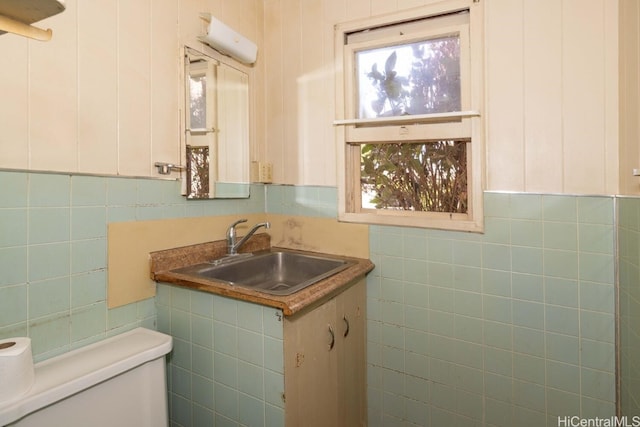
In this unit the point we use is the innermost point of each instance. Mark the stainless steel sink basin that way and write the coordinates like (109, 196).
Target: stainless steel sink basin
(274, 272)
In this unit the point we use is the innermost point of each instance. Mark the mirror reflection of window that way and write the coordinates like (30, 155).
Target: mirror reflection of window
(198, 172)
(216, 121)
(197, 100)
(201, 125)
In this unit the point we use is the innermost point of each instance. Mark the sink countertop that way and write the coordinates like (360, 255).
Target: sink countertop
(162, 262)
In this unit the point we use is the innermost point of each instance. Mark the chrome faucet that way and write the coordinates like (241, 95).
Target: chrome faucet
(232, 245)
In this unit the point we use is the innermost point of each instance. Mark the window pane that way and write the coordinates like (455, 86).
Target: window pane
(415, 78)
(198, 172)
(428, 177)
(198, 102)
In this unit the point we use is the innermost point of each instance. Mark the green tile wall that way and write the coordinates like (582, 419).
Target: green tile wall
(629, 305)
(227, 367)
(314, 201)
(512, 327)
(53, 252)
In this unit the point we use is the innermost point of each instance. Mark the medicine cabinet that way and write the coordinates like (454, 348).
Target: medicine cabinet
(216, 126)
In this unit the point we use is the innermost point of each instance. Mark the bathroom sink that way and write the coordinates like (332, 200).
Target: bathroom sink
(273, 272)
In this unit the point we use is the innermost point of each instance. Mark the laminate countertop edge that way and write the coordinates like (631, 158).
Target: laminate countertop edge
(290, 305)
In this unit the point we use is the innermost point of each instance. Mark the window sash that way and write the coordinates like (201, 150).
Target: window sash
(355, 201)
(412, 119)
(423, 127)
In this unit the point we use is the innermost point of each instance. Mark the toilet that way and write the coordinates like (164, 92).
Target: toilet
(120, 381)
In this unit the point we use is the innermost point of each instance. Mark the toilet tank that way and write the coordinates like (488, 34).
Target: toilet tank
(120, 381)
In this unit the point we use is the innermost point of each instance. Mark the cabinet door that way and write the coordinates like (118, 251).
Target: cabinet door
(351, 348)
(311, 367)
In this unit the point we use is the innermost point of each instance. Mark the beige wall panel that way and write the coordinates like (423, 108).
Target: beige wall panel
(543, 96)
(335, 11)
(611, 100)
(258, 108)
(629, 96)
(407, 4)
(165, 84)
(275, 94)
(129, 244)
(380, 7)
(633, 115)
(191, 25)
(241, 16)
(97, 87)
(292, 66)
(504, 99)
(14, 108)
(326, 174)
(53, 95)
(324, 235)
(583, 95)
(315, 151)
(134, 82)
(103, 95)
(216, 6)
(358, 9)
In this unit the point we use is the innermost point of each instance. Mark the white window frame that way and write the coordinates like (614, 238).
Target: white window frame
(466, 124)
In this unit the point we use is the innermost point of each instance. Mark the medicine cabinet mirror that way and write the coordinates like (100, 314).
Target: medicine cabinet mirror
(216, 127)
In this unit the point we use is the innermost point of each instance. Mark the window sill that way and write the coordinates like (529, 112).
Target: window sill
(440, 221)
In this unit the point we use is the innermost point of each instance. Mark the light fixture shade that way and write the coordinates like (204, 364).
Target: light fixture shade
(228, 41)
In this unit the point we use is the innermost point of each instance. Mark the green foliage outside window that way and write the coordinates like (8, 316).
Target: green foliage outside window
(429, 177)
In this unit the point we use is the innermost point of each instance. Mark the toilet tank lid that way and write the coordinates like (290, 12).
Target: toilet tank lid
(77, 370)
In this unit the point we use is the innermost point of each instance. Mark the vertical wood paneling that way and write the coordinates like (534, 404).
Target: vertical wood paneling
(408, 4)
(551, 85)
(334, 12)
(165, 81)
(191, 25)
(358, 9)
(14, 108)
(242, 14)
(583, 96)
(214, 6)
(632, 113)
(134, 84)
(629, 95)
(611, 97)
(104, 95)
(257, 92)
(312, 96)
(292, 57)
(53, 95)
(543, 96)
(504, 47)
(97, 86)
(380, 7)
(274, 62)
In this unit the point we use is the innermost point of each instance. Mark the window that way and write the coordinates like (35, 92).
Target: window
(409, 96)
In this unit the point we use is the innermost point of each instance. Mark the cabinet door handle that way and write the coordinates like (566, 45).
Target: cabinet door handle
(346, 322)
(333, 338)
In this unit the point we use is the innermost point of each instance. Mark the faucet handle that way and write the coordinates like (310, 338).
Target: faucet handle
(240, 221)
(231, 231)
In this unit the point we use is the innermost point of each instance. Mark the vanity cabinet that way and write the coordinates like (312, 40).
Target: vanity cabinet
(325, 362)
